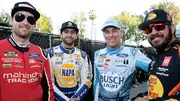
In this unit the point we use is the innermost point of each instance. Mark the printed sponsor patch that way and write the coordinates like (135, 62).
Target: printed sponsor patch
(6, 65)
(156, 88)
(31, 61)
(35, 66)
(122, 55)
(60, 54)
(40, 61)
(166, 60)
(103, 55)
(10, 53)
(11, 60)
(19, 65)
(34, 55)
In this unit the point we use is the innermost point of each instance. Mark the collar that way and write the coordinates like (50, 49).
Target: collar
(168, 47)
(114, 51)
(15, 45)
(68, 51)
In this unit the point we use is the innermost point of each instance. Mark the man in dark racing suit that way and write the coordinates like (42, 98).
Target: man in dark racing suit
(164, 79)
(24, 68)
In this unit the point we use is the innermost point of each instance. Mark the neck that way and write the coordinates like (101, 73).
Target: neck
(20, 40)
(114, 48)
(69, 47)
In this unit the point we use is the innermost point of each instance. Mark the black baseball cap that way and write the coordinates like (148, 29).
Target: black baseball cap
(155, 16)
(25, 6)
(69, 24)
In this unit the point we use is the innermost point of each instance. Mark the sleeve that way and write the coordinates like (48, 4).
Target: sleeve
(141, 60)
(96, 79)
(47, 81)
(58, 95)
(86, 76)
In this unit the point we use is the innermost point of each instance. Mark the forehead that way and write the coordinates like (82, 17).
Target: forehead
(25, 13)
(111, 28)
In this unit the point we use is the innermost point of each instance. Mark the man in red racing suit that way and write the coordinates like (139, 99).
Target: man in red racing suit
(24, 68)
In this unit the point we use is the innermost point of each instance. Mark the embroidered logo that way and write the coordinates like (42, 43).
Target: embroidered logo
(166, 60)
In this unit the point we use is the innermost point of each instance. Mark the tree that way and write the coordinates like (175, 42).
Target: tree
(92, 17)
(80, 20)
(129, 27)
(171, 8)
(44, 24)
(4, 18)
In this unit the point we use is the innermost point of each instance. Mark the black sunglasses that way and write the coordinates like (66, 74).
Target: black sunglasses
(157, 27)
(20, 17)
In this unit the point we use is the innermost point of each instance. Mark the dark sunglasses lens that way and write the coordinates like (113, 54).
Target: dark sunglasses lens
(148, 30)
(19, 17)
(159, 27)
(31, 20)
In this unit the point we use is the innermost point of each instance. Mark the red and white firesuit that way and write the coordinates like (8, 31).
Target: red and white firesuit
(24, 73)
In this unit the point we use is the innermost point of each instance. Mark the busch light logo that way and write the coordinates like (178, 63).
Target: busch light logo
(122, 55)
(34, 55)
(111, 82)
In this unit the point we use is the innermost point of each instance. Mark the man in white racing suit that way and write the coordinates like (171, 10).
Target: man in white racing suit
(71, 67)
(114, 66)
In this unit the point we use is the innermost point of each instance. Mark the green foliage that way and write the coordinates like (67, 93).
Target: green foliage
(4, 17)
(80, 20)
(92, 15)
(171, 8)
(129, 27)
(44, 24)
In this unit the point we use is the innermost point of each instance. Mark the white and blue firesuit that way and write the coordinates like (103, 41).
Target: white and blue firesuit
(71, 73)
(114, 71)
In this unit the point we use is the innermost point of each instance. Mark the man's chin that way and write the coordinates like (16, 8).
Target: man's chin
(69, 43)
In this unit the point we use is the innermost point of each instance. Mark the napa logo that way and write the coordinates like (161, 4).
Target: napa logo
(122, 55)
(67, 76)
(34, 55)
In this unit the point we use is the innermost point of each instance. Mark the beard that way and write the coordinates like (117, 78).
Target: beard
(164, 44)
(68, 42)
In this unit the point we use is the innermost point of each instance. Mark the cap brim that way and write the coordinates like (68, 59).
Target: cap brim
(109, 26)
(146, 23)
(77, 30)
(32, 11)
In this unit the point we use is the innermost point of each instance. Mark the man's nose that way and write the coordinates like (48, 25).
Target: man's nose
(154, 31)
(25, 21)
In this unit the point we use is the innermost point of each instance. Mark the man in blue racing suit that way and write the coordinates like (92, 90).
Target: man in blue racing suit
(114, 66)
(71, 67)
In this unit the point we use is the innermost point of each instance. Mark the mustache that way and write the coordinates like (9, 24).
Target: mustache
(155, 36)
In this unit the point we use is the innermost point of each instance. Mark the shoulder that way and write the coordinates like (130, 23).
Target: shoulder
(53, 50)
(83, 53)
(100, 52)
(3, 41)
(38, 49)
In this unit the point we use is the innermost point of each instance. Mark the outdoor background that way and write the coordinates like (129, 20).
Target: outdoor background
(90, 16)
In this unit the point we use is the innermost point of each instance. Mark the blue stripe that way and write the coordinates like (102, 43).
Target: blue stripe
(143, 65)
(64, 50)
(58, 98)
(80, 94)
(66, 90)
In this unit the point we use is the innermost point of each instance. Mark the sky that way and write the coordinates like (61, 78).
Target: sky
(62, 10)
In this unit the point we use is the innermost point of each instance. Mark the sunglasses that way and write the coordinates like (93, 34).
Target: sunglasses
(20, 17)
(157, 27)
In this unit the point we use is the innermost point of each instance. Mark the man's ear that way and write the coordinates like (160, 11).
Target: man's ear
(11, 20)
